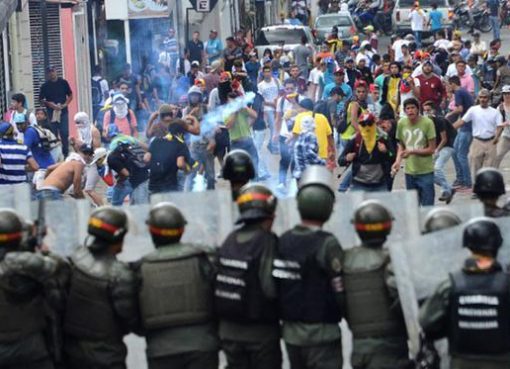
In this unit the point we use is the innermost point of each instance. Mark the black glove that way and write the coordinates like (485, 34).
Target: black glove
(427, 357)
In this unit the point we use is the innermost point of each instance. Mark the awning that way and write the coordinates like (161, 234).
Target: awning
(7, 7)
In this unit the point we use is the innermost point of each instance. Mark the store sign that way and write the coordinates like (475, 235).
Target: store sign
(203, 6)
(148, 9)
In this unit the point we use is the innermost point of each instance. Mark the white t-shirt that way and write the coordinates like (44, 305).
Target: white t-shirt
(442, 43)
(484, 121)
(289, 115)
(269, 91)
(397, 48)
(104, 88)
(452, 70)
(418, 19)
(314, 78)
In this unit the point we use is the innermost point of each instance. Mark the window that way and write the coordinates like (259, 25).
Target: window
(278, 35)
(326, 22)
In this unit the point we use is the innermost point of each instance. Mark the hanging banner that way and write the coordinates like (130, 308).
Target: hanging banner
(148, 9)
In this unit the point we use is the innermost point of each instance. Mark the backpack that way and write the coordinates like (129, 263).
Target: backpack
(97, 95)
(134, 154)
(112, 121)
(342, 123)
(48, 141)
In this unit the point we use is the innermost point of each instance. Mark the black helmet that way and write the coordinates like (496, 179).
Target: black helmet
(256, 202)
(315, 196)
(238, 167)
(482, 234)
(108, 224)
(166, 223)
(440, 218)
(489, 182)
(11, 229)
(372, 222)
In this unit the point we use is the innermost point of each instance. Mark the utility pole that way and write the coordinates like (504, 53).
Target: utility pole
(46, 47)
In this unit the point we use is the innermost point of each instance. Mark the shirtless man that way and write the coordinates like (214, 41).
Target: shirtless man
(60, 177)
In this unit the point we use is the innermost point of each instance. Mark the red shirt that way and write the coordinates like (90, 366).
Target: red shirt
(431, 89)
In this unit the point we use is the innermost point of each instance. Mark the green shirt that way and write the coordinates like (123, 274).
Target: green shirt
(329, 257)
(417, 136)
(241, 127)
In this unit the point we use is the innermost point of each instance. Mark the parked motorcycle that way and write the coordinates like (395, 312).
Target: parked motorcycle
(475, 18)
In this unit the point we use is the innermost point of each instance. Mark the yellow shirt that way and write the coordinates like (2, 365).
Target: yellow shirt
(392, 97)
(322, 131)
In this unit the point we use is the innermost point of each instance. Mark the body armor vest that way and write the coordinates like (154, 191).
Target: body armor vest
(90, 313)
(238, 293)
(20, 315)
(480, 313)
(304, 288)
(370, 313)
(174, 291)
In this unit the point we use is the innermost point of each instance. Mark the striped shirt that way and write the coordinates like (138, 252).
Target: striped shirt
(13, 159)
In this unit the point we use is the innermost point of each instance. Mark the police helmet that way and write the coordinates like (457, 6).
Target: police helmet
(238, 167)
(166, 223)
(108, 224)
(255, 202)
(482, 234)
(315, 196)
(489, 182)
(11, 229)
(439, 219)
(373, 222)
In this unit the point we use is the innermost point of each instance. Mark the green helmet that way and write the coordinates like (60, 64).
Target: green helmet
(166, 223)
(238, 167)
(439, 219)
(11, 229)
(256, 202)
(373, 222)
(315, 196)
(108, 225)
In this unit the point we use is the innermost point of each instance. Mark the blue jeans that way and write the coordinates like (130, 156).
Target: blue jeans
(270, 118)
(258, 139)
(247, 145)
(345, 183)
(439, 177)
(63, 129)
(138, 195)
(199, 152)
(361, 187)
(495, 26)
(285, 160)
(424, 184)
(460, 157)
(47, 194)
(417, 36)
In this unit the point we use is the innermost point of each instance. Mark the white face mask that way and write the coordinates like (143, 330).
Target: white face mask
(120, 109)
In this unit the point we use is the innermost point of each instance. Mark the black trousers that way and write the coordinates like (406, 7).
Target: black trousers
(189, 360)
(252, 355)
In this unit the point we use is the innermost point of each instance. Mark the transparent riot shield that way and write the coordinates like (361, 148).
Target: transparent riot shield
(137, 242)
(66, 225)
(209, 214)
(465, 211)
(16, 197)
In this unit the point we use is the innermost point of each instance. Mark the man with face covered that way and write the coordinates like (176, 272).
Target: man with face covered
(370, 152)
(390, 90)
(119, 119)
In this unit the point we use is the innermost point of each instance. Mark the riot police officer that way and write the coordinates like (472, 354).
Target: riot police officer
(245, 293)
(23, 279)
(176, 297)
(472, 307)
(440, 218)
(373, 311)
(238, 169)
(308, 272)
(102, 301)
(489, 186)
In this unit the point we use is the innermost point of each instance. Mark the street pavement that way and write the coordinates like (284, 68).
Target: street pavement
(136, 353)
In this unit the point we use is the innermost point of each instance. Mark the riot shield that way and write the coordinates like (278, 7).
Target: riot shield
(66, 223)
(137, 242)
(209, 214)
(17, 197)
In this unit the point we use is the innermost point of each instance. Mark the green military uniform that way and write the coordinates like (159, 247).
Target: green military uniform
(373, 308)
(255, 345)
(375, 318)
(434, 319)
(26, 278)
(245, 292)
(176, 308)
(472, 307)
(316, 345)
(102, 304)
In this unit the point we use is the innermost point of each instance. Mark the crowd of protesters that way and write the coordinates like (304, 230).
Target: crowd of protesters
(344, 103)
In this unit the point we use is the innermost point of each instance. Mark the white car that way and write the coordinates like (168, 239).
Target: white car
(272, 37)
(402, 9)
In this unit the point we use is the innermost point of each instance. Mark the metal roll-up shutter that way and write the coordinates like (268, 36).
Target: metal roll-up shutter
(54, 43)
(3, 75)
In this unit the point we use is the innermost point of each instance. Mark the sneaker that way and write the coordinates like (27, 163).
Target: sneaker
(444, 196)
(464, 190)
(449, 198)
(457, 185)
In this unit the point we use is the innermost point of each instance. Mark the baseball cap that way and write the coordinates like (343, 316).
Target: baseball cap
(86, 149)
(369, 28)
(306, 104)
(339, 70)
(99, 153)
(349, 59)
(505, 89)
(19, 118)
(49, 68)
(336, 91)
(4, 128)
(214, 31)
(195, 63)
